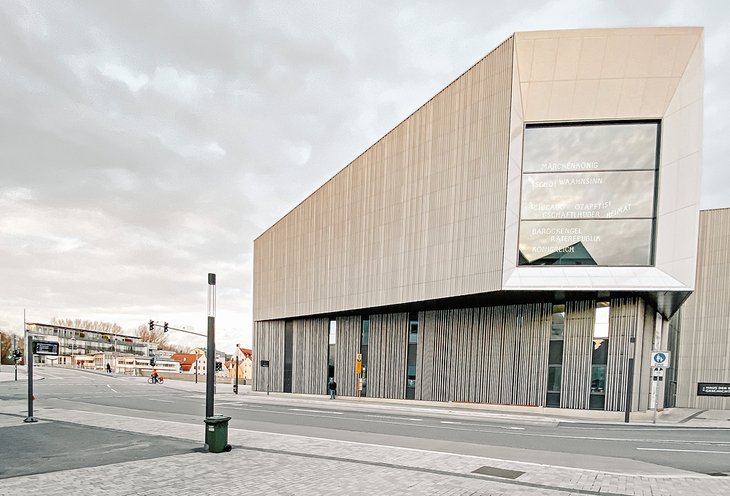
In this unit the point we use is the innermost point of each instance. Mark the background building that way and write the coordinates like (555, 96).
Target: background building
(85, 348)
(517, 240)
(245, 365)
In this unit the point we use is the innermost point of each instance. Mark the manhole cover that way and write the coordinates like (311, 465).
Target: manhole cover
(498, 472)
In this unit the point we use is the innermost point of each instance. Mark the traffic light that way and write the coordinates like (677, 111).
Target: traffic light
(17, 355)
(218, 366)
(166, 329)
(152, 361)
(152, 325)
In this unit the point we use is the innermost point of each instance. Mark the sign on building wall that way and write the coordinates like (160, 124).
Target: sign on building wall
(713, 389)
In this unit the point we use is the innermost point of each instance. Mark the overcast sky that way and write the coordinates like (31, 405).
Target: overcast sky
(145, 144)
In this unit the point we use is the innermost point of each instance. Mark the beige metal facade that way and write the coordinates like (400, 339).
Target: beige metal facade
(704, 342)
(418, 216)
(426, 222)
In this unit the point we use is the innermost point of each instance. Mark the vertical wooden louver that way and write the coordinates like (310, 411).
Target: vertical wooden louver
(347, 348)
(387, 354)
(623, 325)
(268, 344)
(309, 350)
(580, 317)
(489, 355)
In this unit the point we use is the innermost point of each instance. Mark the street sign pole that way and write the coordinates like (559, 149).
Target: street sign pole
(29, 359)
(15, 357)
(659, 361)
(629, 390)
(237, 352)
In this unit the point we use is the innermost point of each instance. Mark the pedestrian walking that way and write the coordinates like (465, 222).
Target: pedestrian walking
(332, 386)
(108, 368)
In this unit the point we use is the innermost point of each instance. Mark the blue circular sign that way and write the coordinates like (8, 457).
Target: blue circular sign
(660, 357)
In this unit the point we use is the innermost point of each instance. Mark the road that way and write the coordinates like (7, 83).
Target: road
(606, 447)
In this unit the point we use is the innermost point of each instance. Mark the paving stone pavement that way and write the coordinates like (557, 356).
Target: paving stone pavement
(273, 464)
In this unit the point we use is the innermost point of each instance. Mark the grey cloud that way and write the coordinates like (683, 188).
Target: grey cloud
(159, 139)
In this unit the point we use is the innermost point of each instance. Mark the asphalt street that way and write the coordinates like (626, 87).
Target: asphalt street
(598, 446)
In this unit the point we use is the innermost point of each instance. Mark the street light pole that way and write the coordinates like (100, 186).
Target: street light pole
(210, 374)
(29, 359)
(15, 357)
(238, 350)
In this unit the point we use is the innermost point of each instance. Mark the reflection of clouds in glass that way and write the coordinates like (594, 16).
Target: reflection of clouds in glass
(581, 195)
(600, 328)
(609, 242)
(597, 147)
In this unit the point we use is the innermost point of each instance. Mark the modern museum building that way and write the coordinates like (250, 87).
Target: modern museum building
(529, 236)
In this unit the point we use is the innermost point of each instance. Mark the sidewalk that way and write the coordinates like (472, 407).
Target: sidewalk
(677, 417)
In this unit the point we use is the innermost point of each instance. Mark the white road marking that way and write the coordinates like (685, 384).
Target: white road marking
(684, 450)
(112, 388)
(161, 401)
(313, 411)
(449, 422)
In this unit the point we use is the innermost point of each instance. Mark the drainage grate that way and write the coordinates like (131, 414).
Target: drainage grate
(498, 472)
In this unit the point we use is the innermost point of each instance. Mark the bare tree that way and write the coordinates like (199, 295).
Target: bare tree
(155, 335)
(182, 349)
(91, 325)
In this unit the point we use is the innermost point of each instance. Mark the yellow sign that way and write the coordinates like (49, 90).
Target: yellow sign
(358, 367)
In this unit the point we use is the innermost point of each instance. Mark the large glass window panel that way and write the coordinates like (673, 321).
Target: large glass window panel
(586, 242)
(590, 147)
(588, 195)
(603, 314)
(555, 353)
(558, 323)
(554, 376)
(598, 379)
(593, 187)
(600, 352)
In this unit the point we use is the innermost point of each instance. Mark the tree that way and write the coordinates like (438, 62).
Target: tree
(91, 325)
(181, 349)
(6, 347)
(156, 335)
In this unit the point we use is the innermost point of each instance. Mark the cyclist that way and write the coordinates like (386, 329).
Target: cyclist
(155, 376)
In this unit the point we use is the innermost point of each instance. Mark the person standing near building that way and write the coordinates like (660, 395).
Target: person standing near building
(108, 368)
(332, 386)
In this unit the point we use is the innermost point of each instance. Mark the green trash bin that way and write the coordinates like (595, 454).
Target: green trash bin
(216, 433)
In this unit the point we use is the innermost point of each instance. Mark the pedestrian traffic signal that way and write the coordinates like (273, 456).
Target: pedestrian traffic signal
(152, 325)
(152, 361)
(166, 329)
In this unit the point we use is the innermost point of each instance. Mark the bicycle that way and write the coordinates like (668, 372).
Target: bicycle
(151, 380)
